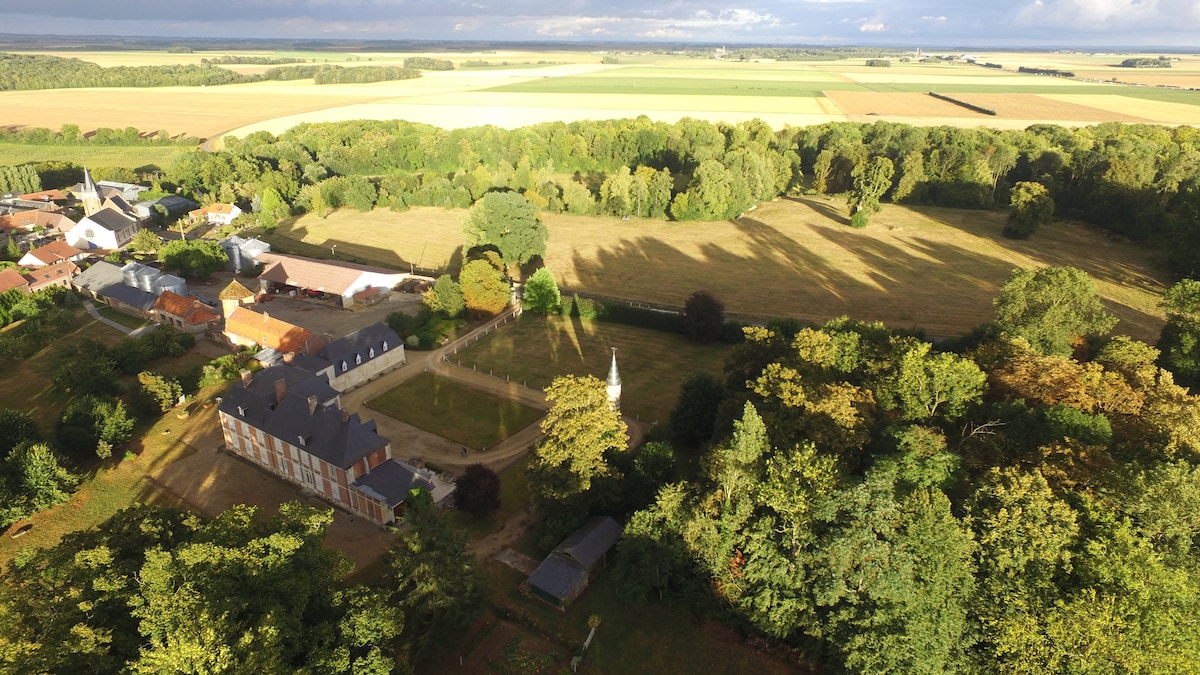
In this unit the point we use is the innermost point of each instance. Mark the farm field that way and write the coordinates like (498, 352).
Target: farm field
(568, 86)
(929, 267)
(121, 156)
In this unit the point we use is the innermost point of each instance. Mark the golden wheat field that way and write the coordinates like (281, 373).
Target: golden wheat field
(934, 268)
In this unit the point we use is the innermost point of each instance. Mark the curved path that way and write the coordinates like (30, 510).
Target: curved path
(408, 442)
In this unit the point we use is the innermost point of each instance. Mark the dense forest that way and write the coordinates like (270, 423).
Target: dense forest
(26, 71)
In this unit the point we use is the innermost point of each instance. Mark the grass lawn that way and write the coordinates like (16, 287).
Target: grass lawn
(451, 410)
(121, 317)
(117, 483)
(653, 364)
(129, 157)
(28, 384)
(514, 495)
(935, 268)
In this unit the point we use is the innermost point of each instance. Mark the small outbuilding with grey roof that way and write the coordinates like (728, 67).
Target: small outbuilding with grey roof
(564, 575)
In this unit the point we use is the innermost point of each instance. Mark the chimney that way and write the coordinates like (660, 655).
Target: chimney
(312, 404)
(345, 415)
(247, 377)
(280, 389)
(288, 358)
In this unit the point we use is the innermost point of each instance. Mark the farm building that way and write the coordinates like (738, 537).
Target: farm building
(244, 327)
(133, 289)
(350, 282)
(291, 422)
(242, 253)
(170, 206)
(564, 574)
(10, 279)
(357, 358)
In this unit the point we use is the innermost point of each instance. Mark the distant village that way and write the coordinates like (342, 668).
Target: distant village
(286, 417)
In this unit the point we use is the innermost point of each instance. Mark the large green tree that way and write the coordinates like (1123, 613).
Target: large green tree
(509, 222)
(1052, 308)
(193, 258)
(541, 294)
(581, 430)
(484, 289)
(1179, 341)
(872, 179)
(1032, 207)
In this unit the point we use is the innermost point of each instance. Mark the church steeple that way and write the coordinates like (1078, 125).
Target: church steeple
(89, 195)
(613, 384)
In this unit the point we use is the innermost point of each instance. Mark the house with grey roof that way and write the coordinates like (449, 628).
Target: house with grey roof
(357, 358)
(169, 206)
(564, 574)
(291, 423)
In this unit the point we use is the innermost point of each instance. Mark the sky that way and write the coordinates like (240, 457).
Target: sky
(931, 23)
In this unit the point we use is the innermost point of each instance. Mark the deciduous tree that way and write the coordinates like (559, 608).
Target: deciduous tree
(484, 289)
(193, 258)
(581, 429)
(541, 294)
(509, 222)
(477, 491)
(1052, 308)
(1032, 207)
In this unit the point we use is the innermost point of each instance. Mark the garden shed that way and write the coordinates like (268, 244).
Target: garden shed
(565, 573)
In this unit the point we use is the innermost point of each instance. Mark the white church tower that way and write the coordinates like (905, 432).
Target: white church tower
(613, 384)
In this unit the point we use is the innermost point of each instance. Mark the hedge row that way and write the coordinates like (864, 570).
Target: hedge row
(964, 104)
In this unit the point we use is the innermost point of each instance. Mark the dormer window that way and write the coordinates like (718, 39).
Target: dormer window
(371, 353)
(301, 439)
(385, 345)
(241, 411)
(345, 366)
(358, 359)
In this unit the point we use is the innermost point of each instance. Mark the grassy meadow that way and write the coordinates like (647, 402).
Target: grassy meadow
(930, 267)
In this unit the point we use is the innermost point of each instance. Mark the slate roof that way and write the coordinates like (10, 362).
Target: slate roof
(10, 279)
(99, 276)
(339, 440)
(328, 276)
(267, 331)
(569, 563)
(359, 345)
(55, 251)
(172, 203)
(110, 219)
(134, 297)
(392, 481)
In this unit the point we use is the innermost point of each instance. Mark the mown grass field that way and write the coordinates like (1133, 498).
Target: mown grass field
(653, 364)
(450, 410)
(927, 267)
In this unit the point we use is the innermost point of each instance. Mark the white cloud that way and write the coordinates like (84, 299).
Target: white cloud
(872, 27)
(935, 19)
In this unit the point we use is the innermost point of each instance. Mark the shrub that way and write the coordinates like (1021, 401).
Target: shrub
(477, 491)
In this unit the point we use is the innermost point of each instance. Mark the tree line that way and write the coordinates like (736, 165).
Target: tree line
(29, 71)
(1019, 501)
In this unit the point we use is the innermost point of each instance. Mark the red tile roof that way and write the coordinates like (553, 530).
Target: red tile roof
(30, 219)
(266, 331)
(51, 274)
(10, 279)
(44, 196)
(223, 209)
(188, 310)
(327, 276)
(55, 251)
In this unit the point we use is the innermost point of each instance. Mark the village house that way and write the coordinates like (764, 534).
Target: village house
(216, 214)
(28, 224)
(185, 313)
(10, 279)
(59, 274)
(245, 328)
(291, 423)
(54, 252)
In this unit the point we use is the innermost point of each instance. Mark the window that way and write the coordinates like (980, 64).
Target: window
(385, 345)
(301, 439)
(345, 366)
(241, 411)
(358, 359)
(89, 233)
(371, 353)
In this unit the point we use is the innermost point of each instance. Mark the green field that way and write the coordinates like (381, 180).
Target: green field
(130, 157)
(450, 410)
(653, 365)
